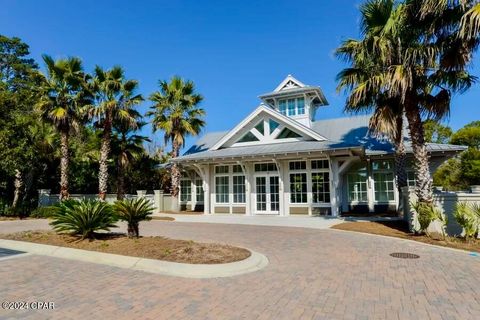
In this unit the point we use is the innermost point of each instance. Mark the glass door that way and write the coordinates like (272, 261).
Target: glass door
(267, 195)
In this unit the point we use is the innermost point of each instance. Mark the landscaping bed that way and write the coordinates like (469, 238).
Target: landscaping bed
(399, 229)
(182, 251)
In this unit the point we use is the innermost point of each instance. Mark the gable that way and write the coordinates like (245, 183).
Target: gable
(289, 83)
(266, 126)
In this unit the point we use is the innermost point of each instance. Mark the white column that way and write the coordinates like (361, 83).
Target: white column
(207, 182)
(370, 191)
(248, 188)
(334, 186)
(281, 187)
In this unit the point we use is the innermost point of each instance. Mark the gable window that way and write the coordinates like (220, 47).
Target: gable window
(273, 125)
(287, 133)
(248, 137)
(185, 190)
(260, 127)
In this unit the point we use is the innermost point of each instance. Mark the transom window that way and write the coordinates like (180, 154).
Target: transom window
(221, 169)
(292, 107)
(297, 165)
(265, 167)
(319, 164)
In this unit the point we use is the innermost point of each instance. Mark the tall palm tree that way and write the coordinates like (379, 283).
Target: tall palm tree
(128, 147)
(114, 98)
(63, 94)
(176, 112)
(409, 65)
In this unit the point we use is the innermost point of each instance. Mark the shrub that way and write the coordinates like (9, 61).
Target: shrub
(133, 211)
(468, 216)
(426, 213)
(82, 218)
(43, 212)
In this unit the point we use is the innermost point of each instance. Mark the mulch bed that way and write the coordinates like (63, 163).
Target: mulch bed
(161, 248)
(399, 229)
(163, 218)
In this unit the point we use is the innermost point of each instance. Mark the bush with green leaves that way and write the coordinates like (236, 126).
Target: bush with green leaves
(133, 211)
(83, 218)
(468, 216)
(43, 212)
(427, 213)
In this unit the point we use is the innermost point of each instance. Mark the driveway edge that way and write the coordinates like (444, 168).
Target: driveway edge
(255, 262)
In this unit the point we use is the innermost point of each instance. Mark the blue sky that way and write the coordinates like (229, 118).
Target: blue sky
(232, 50)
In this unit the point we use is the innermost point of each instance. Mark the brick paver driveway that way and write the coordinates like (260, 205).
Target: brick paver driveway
(313, 274)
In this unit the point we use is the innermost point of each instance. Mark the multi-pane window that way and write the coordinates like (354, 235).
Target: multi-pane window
(297, 165)
(199, 195)
(265, 167)
(185, 190)
(320, 181)
(221, 189)
(237, 168)
(320, 187)
(411, 179)
(292, 107)
(383, 178)
(357, 184)
(239, 189)
(298, 188)
(221, 169)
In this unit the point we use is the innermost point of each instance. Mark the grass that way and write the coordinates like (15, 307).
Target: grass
(183, 251)
(399, 229)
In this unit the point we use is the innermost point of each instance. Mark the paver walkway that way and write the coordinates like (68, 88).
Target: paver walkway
(313, 274)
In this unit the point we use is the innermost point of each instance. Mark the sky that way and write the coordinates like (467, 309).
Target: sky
(233, 50)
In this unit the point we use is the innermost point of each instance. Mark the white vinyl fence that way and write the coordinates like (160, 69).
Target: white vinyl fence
(160, 201)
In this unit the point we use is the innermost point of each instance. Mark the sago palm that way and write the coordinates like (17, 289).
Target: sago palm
(114, 99)
(63, 94)
(133, 211)
(176, 112)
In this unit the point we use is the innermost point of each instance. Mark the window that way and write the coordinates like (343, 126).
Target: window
(239, 189)
(237, 168)
(321, 187)
(221, 189)
(383, 178)
(384, 186)
(265, 167)
(273, 125)
(221, 169)
(320, 181)
(320, 164)
(260, 127)
(282, 107)
(185, 190)
(248, 137)
(300, 106)
(297, 165)
(291, 107)
(298, 188)
(411, 179)
(357, 184)
(287, 133)
(199, 195)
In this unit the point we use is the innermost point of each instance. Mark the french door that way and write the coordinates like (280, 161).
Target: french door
(267, 197)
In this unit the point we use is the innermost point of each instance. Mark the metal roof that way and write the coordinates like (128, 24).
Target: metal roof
(346, 133)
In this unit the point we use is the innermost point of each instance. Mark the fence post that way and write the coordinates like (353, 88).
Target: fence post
(158, 200)
(43, 197)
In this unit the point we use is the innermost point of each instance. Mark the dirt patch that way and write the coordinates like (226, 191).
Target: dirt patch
(161, 248)
(184, 212)
(399, 229)
(163, 218)
(4, 218)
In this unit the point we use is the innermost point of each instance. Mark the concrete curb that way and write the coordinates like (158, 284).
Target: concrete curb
(255, 262)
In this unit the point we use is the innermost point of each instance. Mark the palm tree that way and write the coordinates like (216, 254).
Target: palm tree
(115, 98)
(128, 147)
(62, 96)
(176, 112)
(414, 68)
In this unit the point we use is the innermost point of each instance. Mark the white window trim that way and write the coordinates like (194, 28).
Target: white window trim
(299, 171)
(357, 202)
(180, 192)
(321, 170)
(393, 184)
(230, 176)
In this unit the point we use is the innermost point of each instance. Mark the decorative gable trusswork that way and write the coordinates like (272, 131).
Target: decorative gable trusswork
(266, 126)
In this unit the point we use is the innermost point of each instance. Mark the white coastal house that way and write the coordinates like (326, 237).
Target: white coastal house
(279, 160)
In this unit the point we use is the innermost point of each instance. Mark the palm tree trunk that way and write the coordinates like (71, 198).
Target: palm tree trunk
(18, 184)
(120, 180)
(400, 157)
(175, 188)
(64, 164)
(423, 187)
(104, 154)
